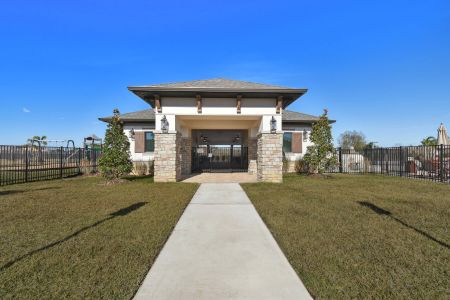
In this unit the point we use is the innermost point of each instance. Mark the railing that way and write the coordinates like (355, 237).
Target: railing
(20, 164)
(421, 162)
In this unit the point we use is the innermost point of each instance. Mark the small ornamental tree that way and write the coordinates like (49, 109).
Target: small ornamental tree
(115, 160)
(321, 155)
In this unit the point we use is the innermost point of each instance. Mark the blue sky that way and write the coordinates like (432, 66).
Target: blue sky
(380, 67)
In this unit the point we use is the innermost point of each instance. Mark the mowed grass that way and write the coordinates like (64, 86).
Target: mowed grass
(78, 238)
(361, 236)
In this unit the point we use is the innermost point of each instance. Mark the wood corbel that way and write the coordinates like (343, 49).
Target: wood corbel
(157, 103)
(279, 104)
(238, 103)
(199, 103)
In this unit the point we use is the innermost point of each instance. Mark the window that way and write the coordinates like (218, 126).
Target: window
(149, 142)
(287, 142)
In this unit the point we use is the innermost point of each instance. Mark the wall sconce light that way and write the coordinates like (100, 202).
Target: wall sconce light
(164, 124)
(203, 139)
(236, 139)
(273, 125)
(305, 135)
(132, 133)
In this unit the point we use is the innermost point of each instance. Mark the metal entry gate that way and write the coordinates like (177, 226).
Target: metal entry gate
(233, 158)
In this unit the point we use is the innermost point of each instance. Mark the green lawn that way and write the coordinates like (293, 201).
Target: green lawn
(78, 238)
(361, 236)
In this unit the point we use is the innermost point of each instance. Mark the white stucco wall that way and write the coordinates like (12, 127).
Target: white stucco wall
(218, 106)
(146, 156)
(173, 107)
(266, 120)
(295, 156)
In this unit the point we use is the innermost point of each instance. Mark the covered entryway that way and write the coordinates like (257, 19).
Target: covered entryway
(219, 151)
(219, 158)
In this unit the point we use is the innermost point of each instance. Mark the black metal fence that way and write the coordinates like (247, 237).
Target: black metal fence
(421, 162)
(19, 164)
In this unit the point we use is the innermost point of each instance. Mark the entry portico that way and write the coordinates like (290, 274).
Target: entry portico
(217, 125)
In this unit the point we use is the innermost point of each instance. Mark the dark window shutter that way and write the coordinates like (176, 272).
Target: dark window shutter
(139, 142)
(297, 142)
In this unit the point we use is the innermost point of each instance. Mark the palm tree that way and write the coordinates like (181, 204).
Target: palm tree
(41, 139)
(429, 141)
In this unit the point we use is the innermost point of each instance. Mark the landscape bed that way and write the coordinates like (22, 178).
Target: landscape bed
(361, 236)
(79, 238)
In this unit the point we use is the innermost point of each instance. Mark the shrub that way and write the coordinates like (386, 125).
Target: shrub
(321, 155)
(285, 164)
(115, 161)
(301, 166)
(140, 168)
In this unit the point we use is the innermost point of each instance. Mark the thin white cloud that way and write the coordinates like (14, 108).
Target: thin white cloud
(26, 110)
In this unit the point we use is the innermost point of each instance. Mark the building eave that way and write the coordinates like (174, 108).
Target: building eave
(147, 93)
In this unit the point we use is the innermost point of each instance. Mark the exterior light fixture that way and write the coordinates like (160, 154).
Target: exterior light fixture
(132, 133)
(273, 125)
(305, 135)
(164, 124)
(204, 138)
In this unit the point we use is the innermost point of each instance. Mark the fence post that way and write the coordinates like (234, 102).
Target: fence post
(382, 159)
(401, 161)
(407, 162)
(26, 163)
(94, 155)
(61, 162)
(441, 162)
(79, 160)
(340, 160)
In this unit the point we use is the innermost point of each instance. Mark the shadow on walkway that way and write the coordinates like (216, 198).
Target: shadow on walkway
(382, 211)
(120, 213)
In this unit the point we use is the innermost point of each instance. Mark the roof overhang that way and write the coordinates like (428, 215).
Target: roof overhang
(125, 120)
(305, 121)
(148, 93)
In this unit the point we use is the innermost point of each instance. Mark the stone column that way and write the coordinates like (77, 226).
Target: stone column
(167, 157)
(186, 156)
(252, 149)
(270, 157)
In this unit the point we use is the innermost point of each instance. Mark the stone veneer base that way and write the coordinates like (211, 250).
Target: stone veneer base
(167, 157)
(270, 157)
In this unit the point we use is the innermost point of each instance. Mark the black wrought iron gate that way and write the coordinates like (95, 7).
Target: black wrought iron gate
(233, 158)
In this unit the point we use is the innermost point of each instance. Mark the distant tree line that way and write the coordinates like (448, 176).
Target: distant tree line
(357, 140)
(354, 139)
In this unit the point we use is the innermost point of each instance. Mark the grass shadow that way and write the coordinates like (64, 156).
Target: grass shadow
(380, 211)
(119, 213)
(11, 192)
(139, 178)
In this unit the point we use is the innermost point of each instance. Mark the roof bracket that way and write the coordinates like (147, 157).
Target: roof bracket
(279, 104)
(199, 103)
(238, 103)
(157, 103)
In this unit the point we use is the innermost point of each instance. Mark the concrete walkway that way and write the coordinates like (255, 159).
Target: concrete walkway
(221, 178)
(221, 249)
